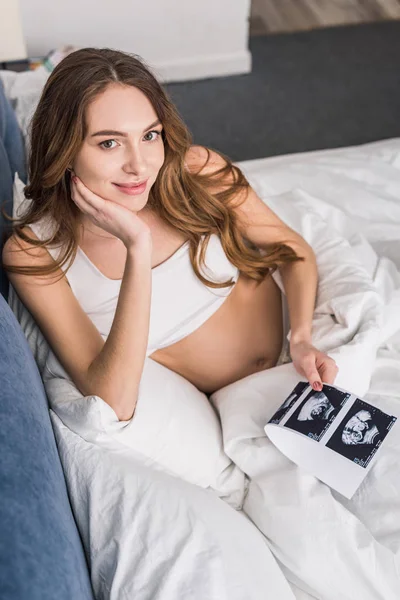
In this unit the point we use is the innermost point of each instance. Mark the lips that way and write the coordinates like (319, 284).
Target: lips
(132, 189)
(131, 185)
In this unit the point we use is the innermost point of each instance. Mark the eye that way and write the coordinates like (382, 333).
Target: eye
(153, 135)
(107, 144)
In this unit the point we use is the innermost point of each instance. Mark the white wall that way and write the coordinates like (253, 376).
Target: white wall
(180, 39)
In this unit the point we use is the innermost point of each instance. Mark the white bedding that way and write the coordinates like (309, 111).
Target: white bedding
(149, 536)
(329, 548)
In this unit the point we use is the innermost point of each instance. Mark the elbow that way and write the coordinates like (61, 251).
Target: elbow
(125, 415)
(124, 407)
(121, 395)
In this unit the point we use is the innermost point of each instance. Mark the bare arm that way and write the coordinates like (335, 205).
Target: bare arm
(300, 282)
(110, 369)
(115, 373)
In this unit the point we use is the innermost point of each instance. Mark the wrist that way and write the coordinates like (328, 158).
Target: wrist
(300, 336)
(139, 245)
(139, 253)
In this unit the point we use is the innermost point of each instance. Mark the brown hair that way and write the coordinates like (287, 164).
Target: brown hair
(184, 199)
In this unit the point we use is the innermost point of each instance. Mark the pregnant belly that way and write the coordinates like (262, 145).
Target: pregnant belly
(242, 337)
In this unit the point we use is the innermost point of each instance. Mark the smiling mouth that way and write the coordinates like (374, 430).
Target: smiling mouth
(131, 185)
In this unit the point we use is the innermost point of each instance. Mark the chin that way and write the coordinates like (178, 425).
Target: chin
(135, 204)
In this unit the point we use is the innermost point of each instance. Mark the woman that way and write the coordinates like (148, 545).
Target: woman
(146, 225)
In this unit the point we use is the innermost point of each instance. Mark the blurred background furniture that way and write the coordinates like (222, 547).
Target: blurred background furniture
(277, 16)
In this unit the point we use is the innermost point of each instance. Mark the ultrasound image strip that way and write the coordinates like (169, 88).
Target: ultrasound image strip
(315, 414)
(288, 403)
(361, 432)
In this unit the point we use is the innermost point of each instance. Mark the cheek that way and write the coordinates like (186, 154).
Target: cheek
(157, 158)
(94, 167)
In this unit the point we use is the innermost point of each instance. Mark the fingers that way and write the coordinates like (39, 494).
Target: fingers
(86, 200)
(319, 369)
(311, 372)
(328, 370)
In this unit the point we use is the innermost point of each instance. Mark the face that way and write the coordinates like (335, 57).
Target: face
(123, 147)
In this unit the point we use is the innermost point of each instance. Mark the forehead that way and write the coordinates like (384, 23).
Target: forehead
(120, 107)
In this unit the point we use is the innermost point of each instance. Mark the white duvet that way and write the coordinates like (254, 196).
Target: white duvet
(331, 547)
(346, 203)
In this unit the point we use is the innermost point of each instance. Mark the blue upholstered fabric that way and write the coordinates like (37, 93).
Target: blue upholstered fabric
(41, 556)
(12, 159)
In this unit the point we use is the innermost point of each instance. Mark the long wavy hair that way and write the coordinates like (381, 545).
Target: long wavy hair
(185, 199)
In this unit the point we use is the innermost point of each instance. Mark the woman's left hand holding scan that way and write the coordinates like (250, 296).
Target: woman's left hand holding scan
(313, 364)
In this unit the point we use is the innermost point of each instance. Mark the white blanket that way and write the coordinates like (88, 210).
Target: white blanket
(150, 536)
(331, 547)
(345, 203)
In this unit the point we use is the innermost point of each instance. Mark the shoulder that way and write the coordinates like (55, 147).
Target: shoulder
(204, 161)
(14, 244)
(217, 171)
(20, 252)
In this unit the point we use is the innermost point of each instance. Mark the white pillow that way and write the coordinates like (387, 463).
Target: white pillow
(24, 90)
(150, 536)
(19, 200)
(174, 426)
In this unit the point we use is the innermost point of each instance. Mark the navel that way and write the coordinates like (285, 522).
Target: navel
(263, 362)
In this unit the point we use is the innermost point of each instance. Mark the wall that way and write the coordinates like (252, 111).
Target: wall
(180, 39)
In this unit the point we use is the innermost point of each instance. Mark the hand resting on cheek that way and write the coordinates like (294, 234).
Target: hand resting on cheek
(110, 216)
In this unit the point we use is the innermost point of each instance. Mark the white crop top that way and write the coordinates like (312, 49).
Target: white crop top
(180, 302)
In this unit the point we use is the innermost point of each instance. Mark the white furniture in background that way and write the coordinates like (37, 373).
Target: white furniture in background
(180, 40)
(12, 44)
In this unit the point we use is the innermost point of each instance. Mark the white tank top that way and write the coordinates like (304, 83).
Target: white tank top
(180, 302)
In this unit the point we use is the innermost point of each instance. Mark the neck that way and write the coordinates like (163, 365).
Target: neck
(87, 227)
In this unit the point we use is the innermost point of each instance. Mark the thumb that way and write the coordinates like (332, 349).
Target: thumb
(314, 379)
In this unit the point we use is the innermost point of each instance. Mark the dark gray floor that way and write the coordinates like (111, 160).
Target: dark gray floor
(307, 91)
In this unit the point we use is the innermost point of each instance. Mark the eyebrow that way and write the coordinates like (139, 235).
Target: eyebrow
(121, 133)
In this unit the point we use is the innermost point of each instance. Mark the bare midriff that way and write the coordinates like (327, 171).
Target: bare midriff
(243, 336)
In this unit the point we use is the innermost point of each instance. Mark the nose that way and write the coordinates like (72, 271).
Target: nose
(134, 162)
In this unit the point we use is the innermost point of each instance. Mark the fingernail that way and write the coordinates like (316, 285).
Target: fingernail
(74, 179)
(317, 386)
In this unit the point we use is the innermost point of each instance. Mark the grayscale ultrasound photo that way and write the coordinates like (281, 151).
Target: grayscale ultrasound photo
(315, 414)
(288, 403)
(361, 432)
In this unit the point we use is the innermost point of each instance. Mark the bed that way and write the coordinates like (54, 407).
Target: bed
(182, 512)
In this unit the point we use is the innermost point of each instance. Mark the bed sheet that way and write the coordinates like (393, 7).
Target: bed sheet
(361, 181)
(357, 191)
